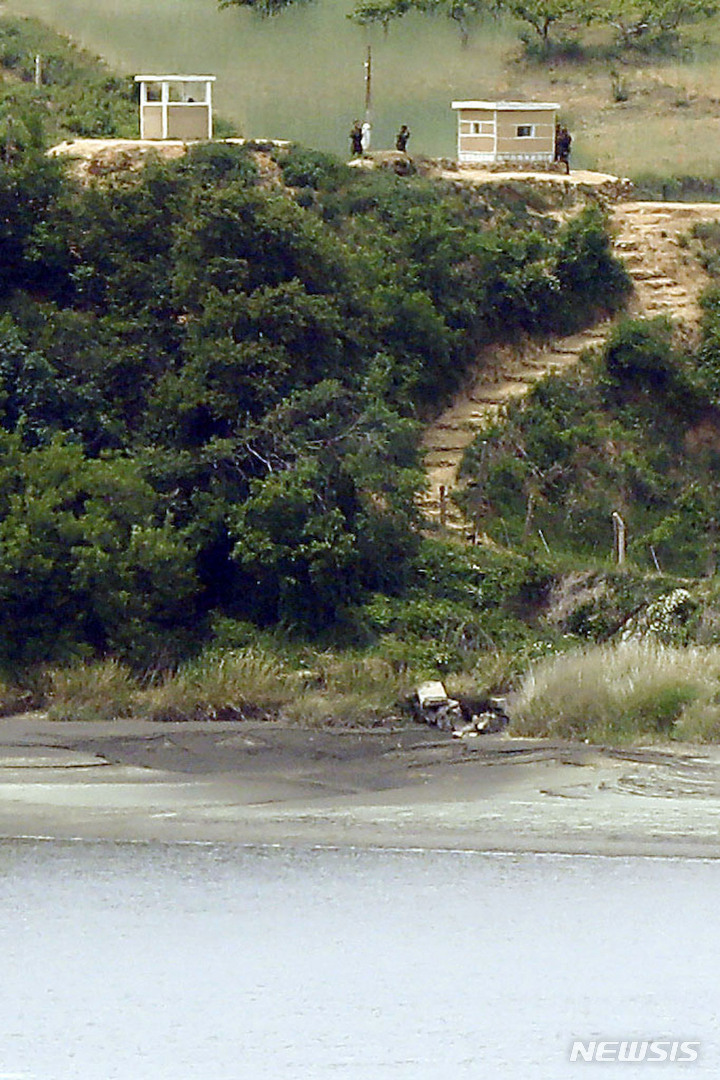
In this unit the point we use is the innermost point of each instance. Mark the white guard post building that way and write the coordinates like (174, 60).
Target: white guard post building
(175, 106)
(505, 132)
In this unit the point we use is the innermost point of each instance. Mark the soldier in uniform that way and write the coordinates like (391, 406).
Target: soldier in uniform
(563, 142)
(402, 138)
(356, 147)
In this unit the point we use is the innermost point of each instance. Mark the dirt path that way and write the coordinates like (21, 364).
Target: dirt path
(667, 280)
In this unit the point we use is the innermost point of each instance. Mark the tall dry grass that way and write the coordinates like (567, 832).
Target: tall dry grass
(98, 690)
(232, 684)
(622, 692)
(218, 686)
(348, 690)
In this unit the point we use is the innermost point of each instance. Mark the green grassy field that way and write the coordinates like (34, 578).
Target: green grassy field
(300, 76)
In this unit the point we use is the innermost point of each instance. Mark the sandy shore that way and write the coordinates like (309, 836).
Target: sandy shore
(264, 783)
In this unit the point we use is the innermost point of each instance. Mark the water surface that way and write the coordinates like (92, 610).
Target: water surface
(145, 962)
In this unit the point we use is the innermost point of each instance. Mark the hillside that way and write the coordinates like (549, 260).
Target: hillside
(215, 373)
(77, 94)
(300, 77)
(667, 281)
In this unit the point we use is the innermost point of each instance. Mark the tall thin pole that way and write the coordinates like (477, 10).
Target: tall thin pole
(368, 85)
(619, 530)
(38, 70)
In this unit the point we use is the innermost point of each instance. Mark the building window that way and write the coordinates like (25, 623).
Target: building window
(481, 127)
(525, 131)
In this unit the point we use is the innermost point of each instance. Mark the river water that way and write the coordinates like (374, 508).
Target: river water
(150, 962)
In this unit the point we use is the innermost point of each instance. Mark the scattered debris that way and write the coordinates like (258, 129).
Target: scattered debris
(464, 717)
(436, 708)
(482, 716)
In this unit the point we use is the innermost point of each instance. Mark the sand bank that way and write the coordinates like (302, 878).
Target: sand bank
(264, 783)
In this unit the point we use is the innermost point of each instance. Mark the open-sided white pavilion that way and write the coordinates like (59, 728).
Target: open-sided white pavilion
(175, 106)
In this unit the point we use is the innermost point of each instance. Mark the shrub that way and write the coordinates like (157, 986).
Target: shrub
(619, 693)
(302, 167)
(101, 690)
(590, 277)
(14, 698)
(217, 162)
(641, 354)
(350, 690)
(219, 686)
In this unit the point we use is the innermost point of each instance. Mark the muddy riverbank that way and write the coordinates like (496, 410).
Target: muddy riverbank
(410, 786)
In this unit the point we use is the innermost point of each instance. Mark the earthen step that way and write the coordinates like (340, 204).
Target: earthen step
(447, 449)
(501, 398)
(676, 298)
(514, 377)
(652, 277)
(479, 422)
(571, 352)
(442, 463)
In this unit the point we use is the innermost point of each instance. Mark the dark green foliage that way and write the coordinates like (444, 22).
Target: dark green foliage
(585, 265)
(209, 393)
(30, 192)
(264, 8)
(85, 561)
(77, 97)
(638, 434)
(457, 604)
(220, 163)
(302, 167)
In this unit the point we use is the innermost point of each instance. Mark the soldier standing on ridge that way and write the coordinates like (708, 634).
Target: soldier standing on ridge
(402, 138)
(563, 142)
(356, 146)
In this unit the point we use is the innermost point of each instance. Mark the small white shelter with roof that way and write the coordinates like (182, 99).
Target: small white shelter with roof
(175, 106)
(491, 132)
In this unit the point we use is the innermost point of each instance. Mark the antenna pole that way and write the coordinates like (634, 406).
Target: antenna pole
(368, 84)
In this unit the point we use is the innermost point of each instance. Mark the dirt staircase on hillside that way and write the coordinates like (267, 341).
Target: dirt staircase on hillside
(667, 281)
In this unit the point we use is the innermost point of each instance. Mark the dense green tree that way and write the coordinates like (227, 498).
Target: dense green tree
(636, 20)
(264, 8)
(339, 476)
(208, 390)
(86, 561)
(30, 191)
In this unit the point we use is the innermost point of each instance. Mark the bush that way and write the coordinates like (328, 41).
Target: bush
(641, 354)
(302, 167)
(219, 686)
(590, 278)
(94, 690)
(214, 163)
(619, 693)
(349, 690)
